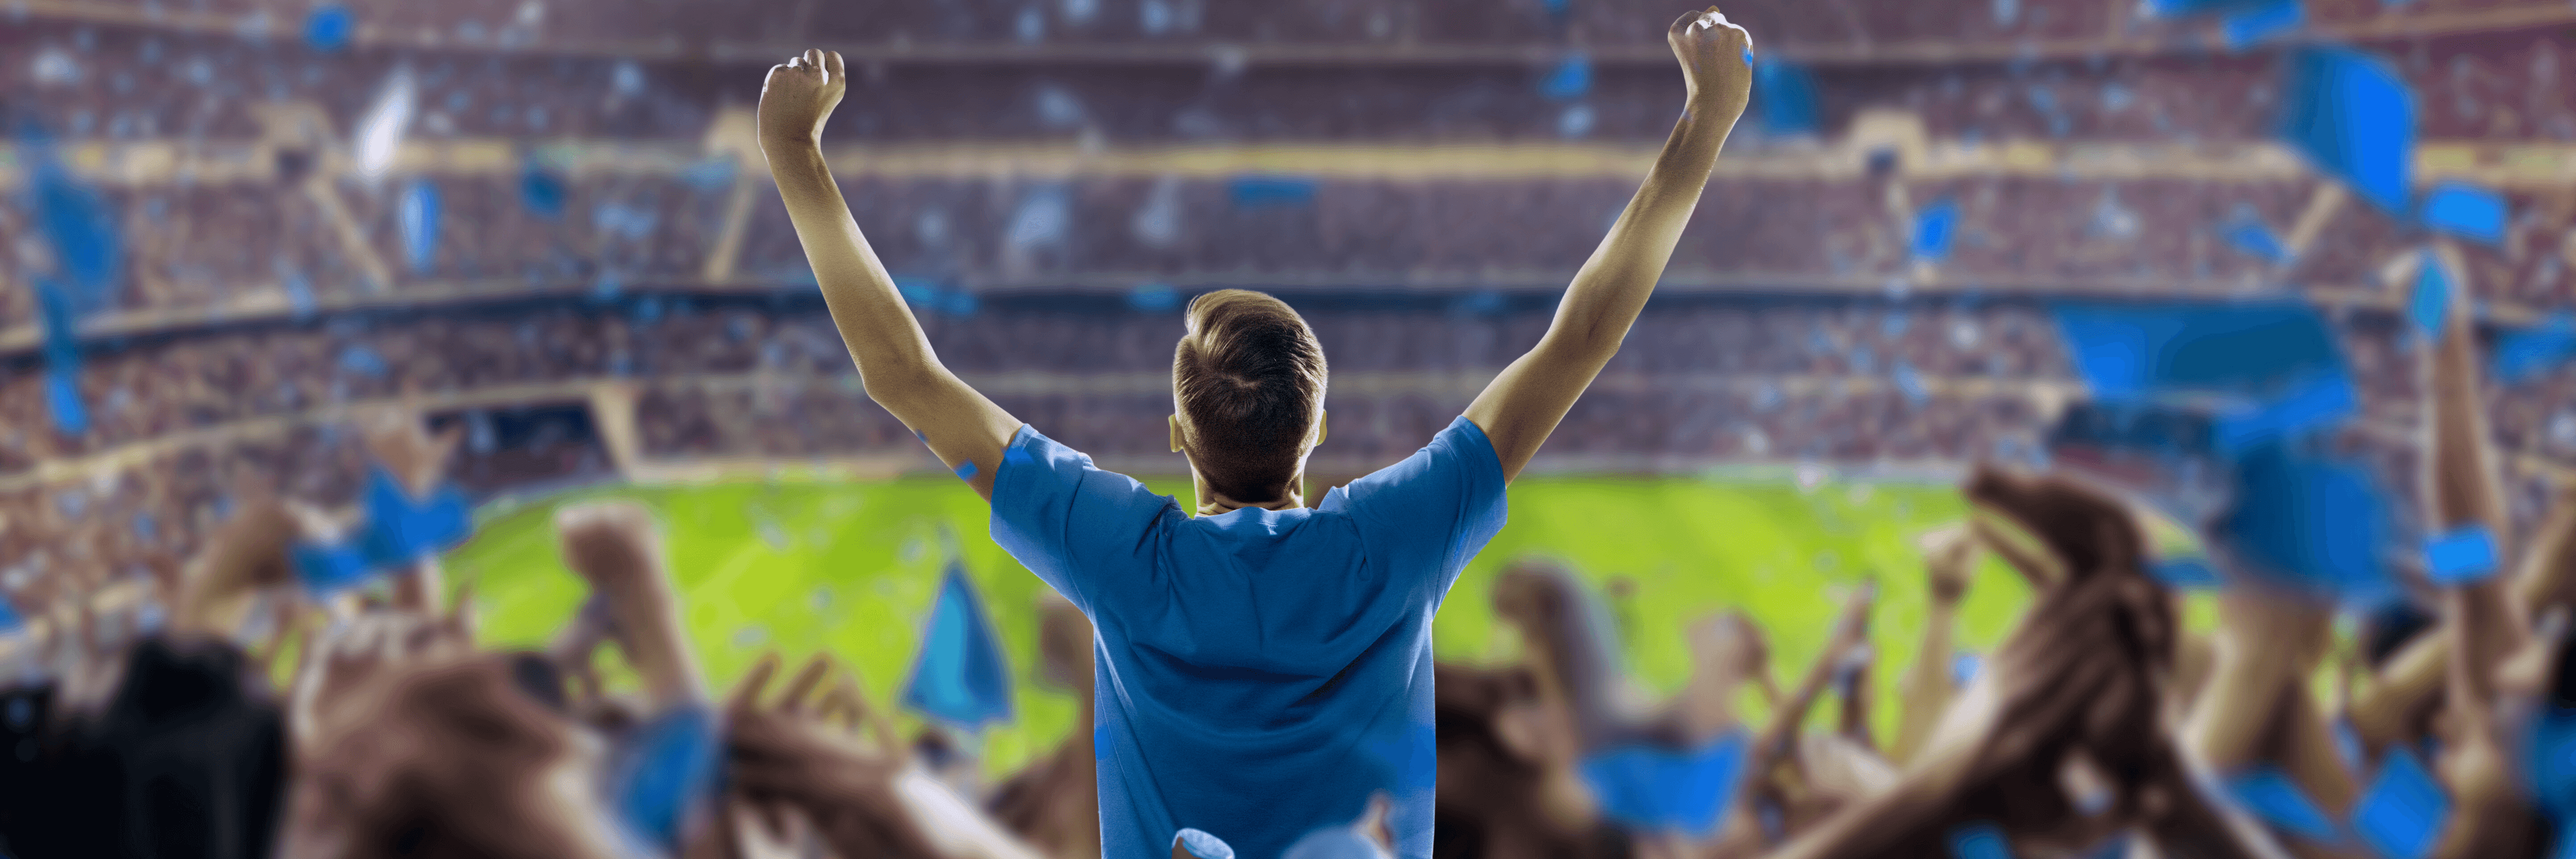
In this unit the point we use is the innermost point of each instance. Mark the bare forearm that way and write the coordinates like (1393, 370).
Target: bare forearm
(894, 357)
(1523, 405)
(884, 339)
(1927, 684)
(1613, 285)
(2464, 495)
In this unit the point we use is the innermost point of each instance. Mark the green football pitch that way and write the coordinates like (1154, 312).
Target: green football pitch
(852, 568)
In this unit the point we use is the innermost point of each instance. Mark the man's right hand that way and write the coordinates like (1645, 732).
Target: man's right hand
(1716, 61)
(799, 96)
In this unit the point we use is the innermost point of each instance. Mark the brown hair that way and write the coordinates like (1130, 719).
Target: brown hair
(1249, 379)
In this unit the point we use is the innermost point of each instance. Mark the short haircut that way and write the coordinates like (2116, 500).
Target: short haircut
(1248, 377)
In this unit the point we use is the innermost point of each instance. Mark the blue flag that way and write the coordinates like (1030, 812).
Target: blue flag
(62, 358)
(402, 529)
(399, 531)
(2245, 27)
(1979, 841)
(9, 621)
(1570, 79)
(2189, 574)
(1933, 229)
(2402, 812)
(542, 191)
(1786, 94)
(2185, 8)
(959, 678)
(2308, 523)
(2271, 368)
(77, 223)
(663, 770)
(329, 27)
(419, 216)
(2269, 795)
(2536, 350)
(2467, 211)
(1253, 192)
(2353, 117)
(2429, 304)
(2245, 231)
(1661, 789)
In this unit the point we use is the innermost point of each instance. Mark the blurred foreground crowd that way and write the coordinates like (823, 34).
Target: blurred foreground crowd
(264, 701)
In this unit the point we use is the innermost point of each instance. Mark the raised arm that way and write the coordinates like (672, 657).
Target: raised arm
(2462, 491)
(1524, 404)
(893, 356)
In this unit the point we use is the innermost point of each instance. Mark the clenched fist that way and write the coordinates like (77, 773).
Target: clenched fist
(799, 96)
(1717, 62)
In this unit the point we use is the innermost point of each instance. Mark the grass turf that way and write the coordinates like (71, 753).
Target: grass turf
(852, 569)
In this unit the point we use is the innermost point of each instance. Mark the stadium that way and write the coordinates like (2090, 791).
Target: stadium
(238, 229)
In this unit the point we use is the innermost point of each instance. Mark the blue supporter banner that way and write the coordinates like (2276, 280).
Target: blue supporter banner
(2352, 116)
(2538, 349)
(2468, 211)
(2308, 523)
(2275, 364)
(959, 677)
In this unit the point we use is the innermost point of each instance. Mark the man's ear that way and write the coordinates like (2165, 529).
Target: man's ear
(1177, 437)
(1321, 419)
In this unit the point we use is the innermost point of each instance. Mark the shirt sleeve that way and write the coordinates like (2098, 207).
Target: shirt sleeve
(1428, 515)
(1070, 522)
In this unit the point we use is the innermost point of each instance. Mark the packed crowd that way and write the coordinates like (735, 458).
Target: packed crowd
(160, 387)
(704, 24)
(159, 724)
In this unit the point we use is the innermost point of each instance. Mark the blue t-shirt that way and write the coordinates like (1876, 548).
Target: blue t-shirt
(1259, 673)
